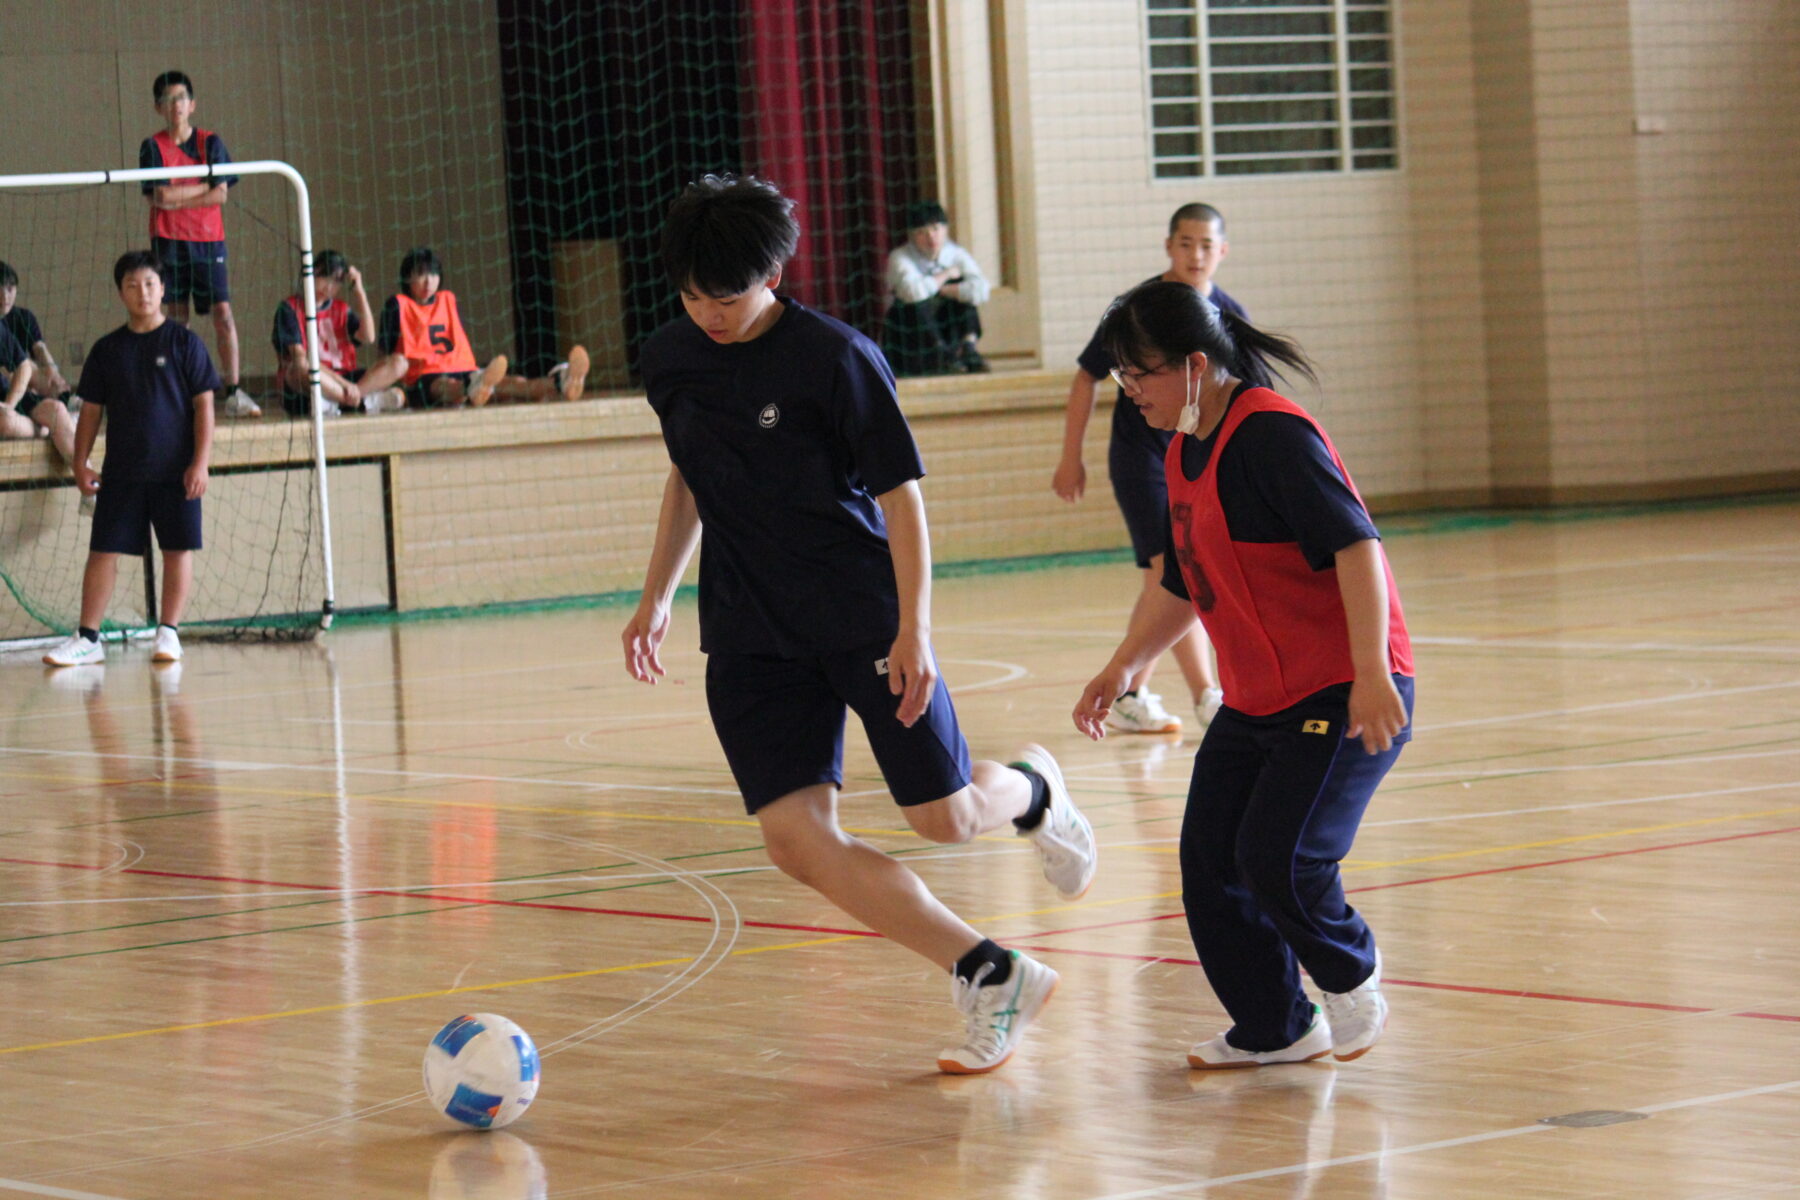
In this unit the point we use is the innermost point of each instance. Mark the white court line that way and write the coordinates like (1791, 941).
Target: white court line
(1505, 643)
(1616, 705)
(38, 1189)
(1520, 812)
(217, 764)
(1551, 769)
(1424, 1147)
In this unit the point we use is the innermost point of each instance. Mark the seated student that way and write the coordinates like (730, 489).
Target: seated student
(23, 324)
(422, 336)
(934, 286)
(22, 411)
(345, 386)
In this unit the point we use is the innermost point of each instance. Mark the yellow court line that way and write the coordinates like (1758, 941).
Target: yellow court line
(455, 991)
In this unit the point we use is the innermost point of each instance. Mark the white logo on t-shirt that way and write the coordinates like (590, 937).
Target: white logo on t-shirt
(161, 361)
(769, 415)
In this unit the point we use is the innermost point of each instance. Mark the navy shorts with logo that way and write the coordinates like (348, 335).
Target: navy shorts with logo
(193, 272)
(128, 509)
(781, 722)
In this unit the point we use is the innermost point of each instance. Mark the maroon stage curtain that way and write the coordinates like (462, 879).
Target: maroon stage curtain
(829, 114)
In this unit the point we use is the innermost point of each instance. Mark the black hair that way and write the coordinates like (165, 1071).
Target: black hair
(1162, 322)
(169, 79)
(329, 264)
(727, 233)
(925, 212)
(1196, 212)
(135, 260)
(420, 260)
(8, 276)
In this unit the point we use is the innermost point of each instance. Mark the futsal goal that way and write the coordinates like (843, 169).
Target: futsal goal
(266, 569)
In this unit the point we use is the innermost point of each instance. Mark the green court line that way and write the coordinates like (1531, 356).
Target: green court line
(1425, 524)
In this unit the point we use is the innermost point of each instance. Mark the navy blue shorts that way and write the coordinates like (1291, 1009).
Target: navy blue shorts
(30, 400)
(128, 509)
(781, 722)
(418, 392)
(1134, 460)
(193, 272)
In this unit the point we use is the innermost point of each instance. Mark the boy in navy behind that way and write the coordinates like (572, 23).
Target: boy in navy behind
(153, 378)
(187, 226)
(790, 458)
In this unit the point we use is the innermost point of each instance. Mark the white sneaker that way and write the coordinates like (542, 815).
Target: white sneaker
(1064, 838)
(572, 380)
(1219, 1054)
(168, 645)
(998, 1014)
(390, 399)
(75, 651)
(1142, 712)
(1207, 706)
(238, 404)
(1357, 1016)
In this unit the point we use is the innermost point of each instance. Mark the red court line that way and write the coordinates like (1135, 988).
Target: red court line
(1441, 987)
(438, 897)
(1376, 887)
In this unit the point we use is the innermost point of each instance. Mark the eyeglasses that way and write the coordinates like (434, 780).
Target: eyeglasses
(1131, 385)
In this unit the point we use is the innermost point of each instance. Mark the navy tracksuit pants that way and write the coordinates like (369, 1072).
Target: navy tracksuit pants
(1273, 807)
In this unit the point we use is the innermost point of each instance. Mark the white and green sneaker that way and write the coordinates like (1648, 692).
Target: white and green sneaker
(998, 1014)
(76, 651)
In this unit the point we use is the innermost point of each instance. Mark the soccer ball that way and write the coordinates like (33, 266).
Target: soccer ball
(481, 1070)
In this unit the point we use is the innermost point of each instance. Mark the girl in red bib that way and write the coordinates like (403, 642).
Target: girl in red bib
(1272, 547)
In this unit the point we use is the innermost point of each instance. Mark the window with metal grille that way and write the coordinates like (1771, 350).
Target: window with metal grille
(1242, 87)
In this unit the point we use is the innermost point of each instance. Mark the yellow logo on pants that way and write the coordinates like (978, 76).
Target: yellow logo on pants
(1315, 727)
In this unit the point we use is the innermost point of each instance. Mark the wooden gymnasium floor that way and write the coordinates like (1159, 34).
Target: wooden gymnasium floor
(237, 905)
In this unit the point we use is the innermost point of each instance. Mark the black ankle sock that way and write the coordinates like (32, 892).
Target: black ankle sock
(92, 635)
(1033, 816)
(987, 951)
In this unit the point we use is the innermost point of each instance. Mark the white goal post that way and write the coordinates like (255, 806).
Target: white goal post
(302, 204)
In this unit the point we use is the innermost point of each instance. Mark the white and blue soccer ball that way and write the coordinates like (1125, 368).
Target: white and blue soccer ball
(481, 1070)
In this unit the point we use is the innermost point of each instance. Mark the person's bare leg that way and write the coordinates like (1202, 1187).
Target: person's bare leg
(804, 841)
(225, 329)
(996, 795)
(12, 425)
(177, 584)
(384, 374)
(97, 587)
(54, 417)
(176, 310)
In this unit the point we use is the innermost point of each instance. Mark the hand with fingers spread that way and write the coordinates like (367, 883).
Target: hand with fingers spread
(642, 638)
(1097, 699)
(912, 675)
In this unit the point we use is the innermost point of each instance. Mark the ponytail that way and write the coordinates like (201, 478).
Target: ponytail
(1162, 322)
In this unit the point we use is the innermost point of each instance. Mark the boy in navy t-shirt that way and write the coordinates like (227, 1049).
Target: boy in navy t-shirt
(153, 379)
(790, 459)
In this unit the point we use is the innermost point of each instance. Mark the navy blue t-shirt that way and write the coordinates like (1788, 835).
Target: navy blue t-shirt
(147, 383)
(785, 441)
(22, 323)
(1128, 422)
(1277, 483)
(150, 155)
(11, 352)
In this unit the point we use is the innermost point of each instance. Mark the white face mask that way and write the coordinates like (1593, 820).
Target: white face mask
(1189, 420)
